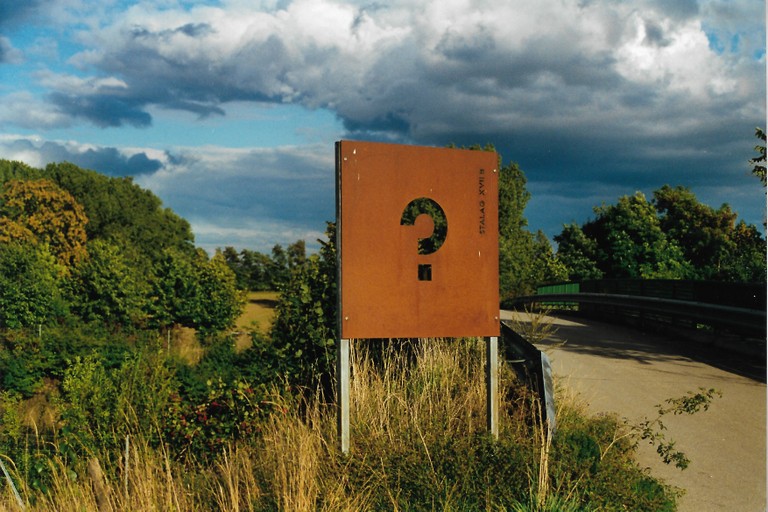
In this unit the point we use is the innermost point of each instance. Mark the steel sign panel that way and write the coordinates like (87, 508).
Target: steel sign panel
(417, 231)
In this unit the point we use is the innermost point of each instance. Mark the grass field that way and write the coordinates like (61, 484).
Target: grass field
(258, 312)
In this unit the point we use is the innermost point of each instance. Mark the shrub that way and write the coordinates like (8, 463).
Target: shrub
(593, 461)
(304, 329)
(200, 431)
(29, 286)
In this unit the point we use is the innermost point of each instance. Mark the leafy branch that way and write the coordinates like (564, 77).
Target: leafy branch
(652, 430)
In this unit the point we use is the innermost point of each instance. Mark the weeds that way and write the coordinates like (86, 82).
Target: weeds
(534, 324)
(418, 442)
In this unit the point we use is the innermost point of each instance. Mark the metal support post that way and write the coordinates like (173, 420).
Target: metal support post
(342, 393)
(492, 384)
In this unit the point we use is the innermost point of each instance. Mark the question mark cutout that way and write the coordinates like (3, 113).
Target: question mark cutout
(430, 244)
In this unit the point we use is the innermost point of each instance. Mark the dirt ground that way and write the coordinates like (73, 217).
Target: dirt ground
(618, 369)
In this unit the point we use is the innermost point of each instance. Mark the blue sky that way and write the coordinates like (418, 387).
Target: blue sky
(228, 110)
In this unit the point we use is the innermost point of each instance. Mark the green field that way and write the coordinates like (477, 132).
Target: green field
(259, 312)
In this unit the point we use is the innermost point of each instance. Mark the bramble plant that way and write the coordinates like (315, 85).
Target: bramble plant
(200, 431)
(651, 430)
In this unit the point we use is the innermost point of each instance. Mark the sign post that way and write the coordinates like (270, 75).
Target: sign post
(417, 238)
(342, 393)
(492, 385)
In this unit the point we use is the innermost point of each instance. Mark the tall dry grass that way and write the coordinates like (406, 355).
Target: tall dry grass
(150, 483)
(404, 396)
(417, 388)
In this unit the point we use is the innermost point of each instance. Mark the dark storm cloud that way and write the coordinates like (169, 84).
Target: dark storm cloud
(103, 110)
(111, 161)
(199, 84)
(105, 160)
(286, 184)
(590, 97)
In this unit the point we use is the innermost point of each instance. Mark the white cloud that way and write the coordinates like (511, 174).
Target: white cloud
(683, 63)
(9, 54)
(421, 69)
(70, 84)
(253, 234)
(25, 110)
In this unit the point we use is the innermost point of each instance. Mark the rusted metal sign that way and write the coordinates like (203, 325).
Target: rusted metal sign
(418, 241)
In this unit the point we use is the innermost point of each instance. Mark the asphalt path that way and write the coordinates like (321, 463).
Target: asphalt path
(628, 372)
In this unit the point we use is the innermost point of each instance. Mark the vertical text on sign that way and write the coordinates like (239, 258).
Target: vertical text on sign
(481, 194)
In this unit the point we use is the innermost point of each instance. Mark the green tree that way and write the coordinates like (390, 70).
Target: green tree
(296, 254)
(278, 270)
(257, 266)
(220, 302)
(548, 267)
(29, 286)
(251, 268)
(525, 260)
(196, 291)
(125, 214)
(90, 399)
(232, 258)
(304, 329)
(703, 233)
(673, 237)
(14, 170)
(175, 290)
(106, 288)
(747, 262)
(631, 243)
(758, 162)
(578, 253)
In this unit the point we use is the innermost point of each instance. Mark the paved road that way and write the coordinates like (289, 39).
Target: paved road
(618, 369)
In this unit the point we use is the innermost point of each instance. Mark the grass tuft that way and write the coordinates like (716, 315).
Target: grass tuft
(418, 442)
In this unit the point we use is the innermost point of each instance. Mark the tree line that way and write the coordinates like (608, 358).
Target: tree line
(256, 271)
(75, 244)
(671, 236)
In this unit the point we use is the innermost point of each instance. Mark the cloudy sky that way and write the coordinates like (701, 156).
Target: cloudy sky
(228, 109)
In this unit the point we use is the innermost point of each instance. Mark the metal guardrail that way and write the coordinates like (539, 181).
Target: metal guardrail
(748, 321)
(532, 366)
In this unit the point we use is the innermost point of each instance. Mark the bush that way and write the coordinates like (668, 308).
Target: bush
(28, 356)
(200, 431)
(304, 329)
(593, 461)
(29, 286)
